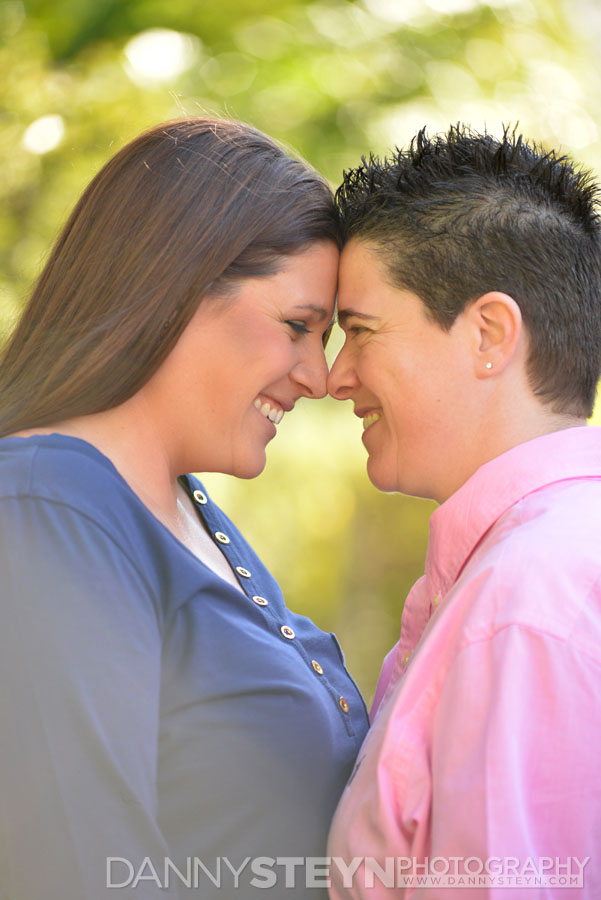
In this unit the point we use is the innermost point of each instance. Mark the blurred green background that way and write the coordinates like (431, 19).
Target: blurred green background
(332, 79)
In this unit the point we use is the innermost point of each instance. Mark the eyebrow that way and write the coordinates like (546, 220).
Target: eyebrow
(318, 310)
(344, 314)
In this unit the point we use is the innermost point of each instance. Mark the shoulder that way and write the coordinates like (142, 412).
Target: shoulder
(550, 534)
(60, 496)
(62, 473)
(57, 468)
(539, 568)
(65, 473)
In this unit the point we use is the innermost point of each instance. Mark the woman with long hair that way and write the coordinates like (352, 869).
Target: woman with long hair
(167, 722)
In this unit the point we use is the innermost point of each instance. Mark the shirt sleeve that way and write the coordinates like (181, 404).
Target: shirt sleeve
(515, 755)
(79, 704)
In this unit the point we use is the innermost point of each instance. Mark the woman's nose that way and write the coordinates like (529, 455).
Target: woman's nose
(311, 374)
(342, 379)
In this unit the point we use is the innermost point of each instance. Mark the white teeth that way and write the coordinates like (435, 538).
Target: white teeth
(369, 419)
(273, 413)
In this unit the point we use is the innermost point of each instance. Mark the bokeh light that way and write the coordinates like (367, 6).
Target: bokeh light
(158, 55)
(44, 134)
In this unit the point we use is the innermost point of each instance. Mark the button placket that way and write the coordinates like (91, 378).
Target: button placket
(213, 522)
(225, 541)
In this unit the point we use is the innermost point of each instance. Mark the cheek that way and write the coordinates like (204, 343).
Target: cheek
(265, 359)
(365, 365)
(279, 358)
(383, 377)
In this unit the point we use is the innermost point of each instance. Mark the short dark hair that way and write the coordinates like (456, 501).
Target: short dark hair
(461, 214)
(185, 210)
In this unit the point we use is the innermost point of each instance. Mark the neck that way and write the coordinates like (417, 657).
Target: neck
(523, 431)
(498, 430)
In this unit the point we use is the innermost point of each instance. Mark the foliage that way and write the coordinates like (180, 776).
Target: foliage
(333, 79)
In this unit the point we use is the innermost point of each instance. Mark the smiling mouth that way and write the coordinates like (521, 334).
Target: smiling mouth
(271, 411)
(370, 419)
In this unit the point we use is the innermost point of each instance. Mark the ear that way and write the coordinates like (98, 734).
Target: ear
(495, 325)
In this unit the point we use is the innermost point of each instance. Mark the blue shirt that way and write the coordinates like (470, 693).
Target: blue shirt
(153, 714)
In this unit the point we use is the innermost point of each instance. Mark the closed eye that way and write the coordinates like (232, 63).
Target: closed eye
(299, 327)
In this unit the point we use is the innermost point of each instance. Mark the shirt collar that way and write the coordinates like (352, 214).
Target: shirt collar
(462, 520)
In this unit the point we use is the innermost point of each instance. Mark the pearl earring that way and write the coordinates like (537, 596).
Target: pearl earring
(489, 365)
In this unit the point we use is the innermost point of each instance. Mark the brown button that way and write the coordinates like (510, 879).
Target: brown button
(436, 599)
(343, 704)
(221, 537)
(200, 497)
(287, 632)
(260, 601)
(242, 571)
(317, 667)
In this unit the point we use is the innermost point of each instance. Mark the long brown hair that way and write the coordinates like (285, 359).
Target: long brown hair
(184, 209)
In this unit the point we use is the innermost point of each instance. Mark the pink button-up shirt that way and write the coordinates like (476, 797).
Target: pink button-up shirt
(486, 735)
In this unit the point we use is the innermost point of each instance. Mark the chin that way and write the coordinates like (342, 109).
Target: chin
(249, 468)
(381, 478)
